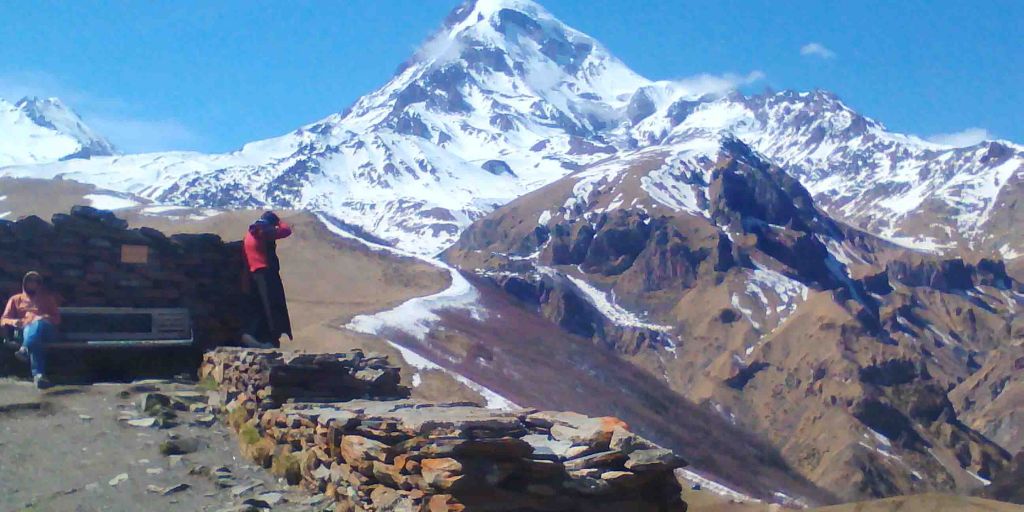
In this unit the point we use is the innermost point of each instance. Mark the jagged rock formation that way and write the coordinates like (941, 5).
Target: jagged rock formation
(992, 399)
(382, 453)
(839, 345)
(1008, 486)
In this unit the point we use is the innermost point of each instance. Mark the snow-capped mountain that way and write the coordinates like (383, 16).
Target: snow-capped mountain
(35, 130)
(505, 98)
(918, 193)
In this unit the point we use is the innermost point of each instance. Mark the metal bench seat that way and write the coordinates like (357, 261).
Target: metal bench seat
(99, 327)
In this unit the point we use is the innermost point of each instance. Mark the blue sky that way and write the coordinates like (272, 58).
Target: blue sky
(212, 75)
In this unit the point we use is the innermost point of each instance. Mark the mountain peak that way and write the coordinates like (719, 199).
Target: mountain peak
(45, 129)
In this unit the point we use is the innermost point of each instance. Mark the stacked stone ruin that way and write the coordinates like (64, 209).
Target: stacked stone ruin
(349, 432)
(81, 256)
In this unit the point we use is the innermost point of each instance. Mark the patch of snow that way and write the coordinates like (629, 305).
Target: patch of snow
(747, 313)
(789, 292)
(977, 477)
(918, 243)
(612, 311)
(544, 218)
(715, 487)
(418, 315)
(790, 501)
(108, 202)
(879, 438)
(156, 210)
(493, 400)
(1008, 252)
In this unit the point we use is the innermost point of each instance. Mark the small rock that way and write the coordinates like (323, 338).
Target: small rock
(155, 489)
(240, 508)
(180, 446)
(174, 488)
(118, 479)
(85, 417)
(313, 500)
(271, 498)
(142, 422)
(199, 470)
(258, 503)
(205, 420)
(92, 487)
(175, 461)
(653, 459)
(239, 490)
(154, 471)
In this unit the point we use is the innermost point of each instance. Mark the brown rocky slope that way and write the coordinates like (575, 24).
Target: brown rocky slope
(715, 272)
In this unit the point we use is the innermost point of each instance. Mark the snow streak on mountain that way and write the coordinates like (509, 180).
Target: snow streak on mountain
(505, 98)
(44, 130)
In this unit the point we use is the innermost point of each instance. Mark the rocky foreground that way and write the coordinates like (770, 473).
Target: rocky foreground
(369, 448)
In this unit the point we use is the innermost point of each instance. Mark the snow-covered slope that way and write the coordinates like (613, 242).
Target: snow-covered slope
(919, 193)
(37, 130)
(505, 98)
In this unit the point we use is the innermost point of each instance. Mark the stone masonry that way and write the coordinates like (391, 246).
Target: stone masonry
(346, 430)
(91, 258)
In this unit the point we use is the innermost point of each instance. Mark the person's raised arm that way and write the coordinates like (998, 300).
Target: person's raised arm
(283, 230)
(11, 315)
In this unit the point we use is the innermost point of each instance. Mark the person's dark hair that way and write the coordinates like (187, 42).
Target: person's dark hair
(270, 218)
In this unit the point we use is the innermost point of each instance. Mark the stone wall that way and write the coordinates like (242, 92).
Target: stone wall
(374, 452)
(91, 258)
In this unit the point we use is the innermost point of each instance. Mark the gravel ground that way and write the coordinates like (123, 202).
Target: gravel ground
(75, 448)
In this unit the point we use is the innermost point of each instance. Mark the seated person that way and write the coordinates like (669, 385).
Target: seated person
(35, 311)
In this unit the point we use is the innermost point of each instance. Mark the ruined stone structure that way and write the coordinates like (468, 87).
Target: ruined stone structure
(369, 450)
(91, 258)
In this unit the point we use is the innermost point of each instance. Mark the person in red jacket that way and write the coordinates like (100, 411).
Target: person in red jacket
(268, 309)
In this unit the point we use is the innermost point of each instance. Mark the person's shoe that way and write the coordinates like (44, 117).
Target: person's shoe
(22, 355)
(41, 382)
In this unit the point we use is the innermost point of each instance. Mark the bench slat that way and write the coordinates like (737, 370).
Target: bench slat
(118, 343)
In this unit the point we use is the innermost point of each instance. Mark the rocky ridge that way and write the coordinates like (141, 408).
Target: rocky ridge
(764, 308)
(382, 452)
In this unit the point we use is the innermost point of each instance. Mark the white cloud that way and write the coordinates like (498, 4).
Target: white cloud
(817, 50)
(133, 135)
(967, 137)
(702, 84)
(111, 118)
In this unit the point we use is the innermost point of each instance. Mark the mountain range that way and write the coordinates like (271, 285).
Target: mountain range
(779, 259)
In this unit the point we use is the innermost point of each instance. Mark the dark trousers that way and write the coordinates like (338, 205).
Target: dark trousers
(268, 311)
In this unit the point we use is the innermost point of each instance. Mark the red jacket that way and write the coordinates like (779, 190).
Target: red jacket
(255, 245)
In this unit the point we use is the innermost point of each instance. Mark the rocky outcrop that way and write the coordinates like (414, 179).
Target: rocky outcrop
(1010, 485)
(380, 453)
(274, 377)
(91, 258)
(950, 274)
